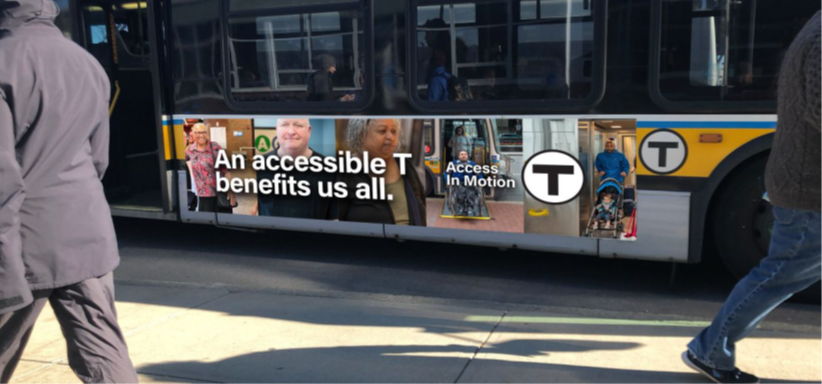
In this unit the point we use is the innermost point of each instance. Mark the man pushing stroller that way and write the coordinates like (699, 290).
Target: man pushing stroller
(612, 164)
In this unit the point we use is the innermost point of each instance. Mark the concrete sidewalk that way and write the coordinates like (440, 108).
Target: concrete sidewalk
(211, 334)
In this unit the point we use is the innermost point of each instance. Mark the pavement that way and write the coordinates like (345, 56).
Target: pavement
(183, 333)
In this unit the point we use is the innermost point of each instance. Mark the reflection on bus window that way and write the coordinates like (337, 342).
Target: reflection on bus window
(505, 50)
(297, 57)
(99, 34)
(63, 19)
(726, 50)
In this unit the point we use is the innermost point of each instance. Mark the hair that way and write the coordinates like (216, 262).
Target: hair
(358, 131)
(199, 125)
(327, 61)
(460, 128)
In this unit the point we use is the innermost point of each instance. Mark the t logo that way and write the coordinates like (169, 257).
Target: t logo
(663, 151)
(553, 177)
(663, 147)
(553, 172)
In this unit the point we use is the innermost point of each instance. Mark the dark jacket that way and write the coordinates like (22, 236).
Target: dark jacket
(321, 86)
(304, 207)
(54, 140)
(379, 211)
(793, 175)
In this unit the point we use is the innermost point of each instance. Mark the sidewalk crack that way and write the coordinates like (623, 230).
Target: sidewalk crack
(477, 351)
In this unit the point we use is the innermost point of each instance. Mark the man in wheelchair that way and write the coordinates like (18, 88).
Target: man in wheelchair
(464, 200)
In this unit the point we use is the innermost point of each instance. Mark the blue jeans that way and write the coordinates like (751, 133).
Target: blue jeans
(792, 265)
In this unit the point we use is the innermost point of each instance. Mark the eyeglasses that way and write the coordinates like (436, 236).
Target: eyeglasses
(200, 133)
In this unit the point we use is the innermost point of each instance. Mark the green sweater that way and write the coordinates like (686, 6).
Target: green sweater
(793, 173)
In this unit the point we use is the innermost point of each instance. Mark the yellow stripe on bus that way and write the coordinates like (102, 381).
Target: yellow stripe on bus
(166, 142)
(179, 142)
(703, 158)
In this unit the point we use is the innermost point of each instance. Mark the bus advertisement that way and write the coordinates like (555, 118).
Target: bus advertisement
(618, 129)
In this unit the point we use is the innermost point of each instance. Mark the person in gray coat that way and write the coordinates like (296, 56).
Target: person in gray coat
(54, 218)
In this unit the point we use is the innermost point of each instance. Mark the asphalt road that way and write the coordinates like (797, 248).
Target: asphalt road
(338, 266)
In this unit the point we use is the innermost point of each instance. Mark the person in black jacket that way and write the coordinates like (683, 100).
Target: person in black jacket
(321, 82)
(380, 138)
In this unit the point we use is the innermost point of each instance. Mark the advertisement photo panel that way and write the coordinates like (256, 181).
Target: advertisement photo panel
(561, 176)
(580, 177)
(394, 191)
(473, 182)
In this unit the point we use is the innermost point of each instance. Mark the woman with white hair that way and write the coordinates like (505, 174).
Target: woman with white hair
(201, 158)
(380, 138)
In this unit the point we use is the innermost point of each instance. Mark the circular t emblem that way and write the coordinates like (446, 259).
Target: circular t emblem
(553, 177)
(663, 151)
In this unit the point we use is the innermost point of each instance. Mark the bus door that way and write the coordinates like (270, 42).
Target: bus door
(586, 158)
(627, 145)
(434, 161)
(116, 32)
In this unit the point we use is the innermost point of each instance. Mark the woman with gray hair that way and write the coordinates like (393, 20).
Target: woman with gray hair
(380, 138)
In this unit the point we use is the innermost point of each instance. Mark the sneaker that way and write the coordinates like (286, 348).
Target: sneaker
(717, 375)
(607, 225)
(596, 225)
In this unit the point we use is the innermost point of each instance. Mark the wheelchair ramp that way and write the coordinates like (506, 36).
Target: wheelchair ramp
(447, 214)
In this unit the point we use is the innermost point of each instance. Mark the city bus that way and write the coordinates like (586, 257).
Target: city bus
(685, 90)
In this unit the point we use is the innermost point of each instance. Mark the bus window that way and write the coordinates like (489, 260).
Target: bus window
(505, 50)
(131, 21)
(275, 55)
(95, 34)
(63, 19)
(723, 50)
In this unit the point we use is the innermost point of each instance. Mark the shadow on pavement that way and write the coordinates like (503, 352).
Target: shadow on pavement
(408, 364)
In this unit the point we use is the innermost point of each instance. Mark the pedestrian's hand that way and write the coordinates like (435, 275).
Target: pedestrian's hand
(602, 173)
(623, 174)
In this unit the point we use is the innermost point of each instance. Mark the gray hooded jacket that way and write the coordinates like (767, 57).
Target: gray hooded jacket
(55, 224)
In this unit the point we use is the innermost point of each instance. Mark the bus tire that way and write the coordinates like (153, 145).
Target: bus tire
(741, 223)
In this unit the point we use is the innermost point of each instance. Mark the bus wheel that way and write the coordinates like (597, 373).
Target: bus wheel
(742, 222)
(741, 219)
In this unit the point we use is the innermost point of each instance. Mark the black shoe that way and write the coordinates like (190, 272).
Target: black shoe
(717, 375)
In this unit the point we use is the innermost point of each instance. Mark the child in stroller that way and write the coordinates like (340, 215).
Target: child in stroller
(464, 200)
(608, 210)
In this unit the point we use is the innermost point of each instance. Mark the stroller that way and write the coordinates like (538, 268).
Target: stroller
(615, 189)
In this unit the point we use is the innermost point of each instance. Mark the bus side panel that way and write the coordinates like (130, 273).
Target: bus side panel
(662, 229)
(534, 242)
